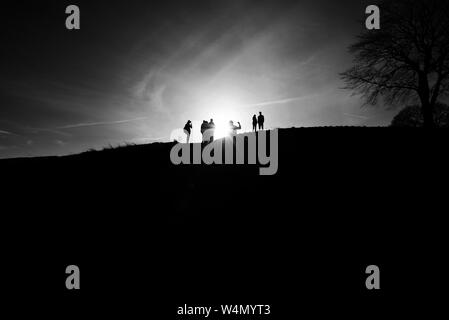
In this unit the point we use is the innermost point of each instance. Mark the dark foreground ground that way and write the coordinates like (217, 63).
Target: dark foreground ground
(149, 236)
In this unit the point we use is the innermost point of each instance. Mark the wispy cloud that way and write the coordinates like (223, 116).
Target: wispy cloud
(281, 101)
(151, 90)
(56, 132)
(149, 140)
(60, 143)
(5, 132)
(357, 116)
(102, 123)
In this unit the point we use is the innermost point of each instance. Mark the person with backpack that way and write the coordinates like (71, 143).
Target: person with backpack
(188, 130)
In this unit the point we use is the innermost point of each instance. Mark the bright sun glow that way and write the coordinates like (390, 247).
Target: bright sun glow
(224, 109)
(221, 128)
(220, 105)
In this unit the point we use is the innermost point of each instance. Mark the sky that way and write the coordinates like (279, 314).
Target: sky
(136, 71)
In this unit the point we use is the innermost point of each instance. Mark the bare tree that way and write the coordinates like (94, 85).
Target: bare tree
(407, 60)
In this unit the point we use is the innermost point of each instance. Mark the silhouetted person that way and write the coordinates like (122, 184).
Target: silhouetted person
(188, 130)
(212, 129)
(204, 128)
(254, 123)
(233, 129)
(260, 120)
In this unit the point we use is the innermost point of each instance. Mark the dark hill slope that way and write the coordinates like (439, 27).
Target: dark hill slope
(343, 197)
(335, 173)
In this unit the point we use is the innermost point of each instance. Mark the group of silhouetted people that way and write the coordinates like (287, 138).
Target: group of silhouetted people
(209, 127)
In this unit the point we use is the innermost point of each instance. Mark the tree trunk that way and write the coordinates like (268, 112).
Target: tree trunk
(427, 112)
(426, 104)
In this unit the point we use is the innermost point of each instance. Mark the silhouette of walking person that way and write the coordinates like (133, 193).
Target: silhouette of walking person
(188, 130)
(233, 129)
(212, 129)
(255, 123)
(260, 121)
